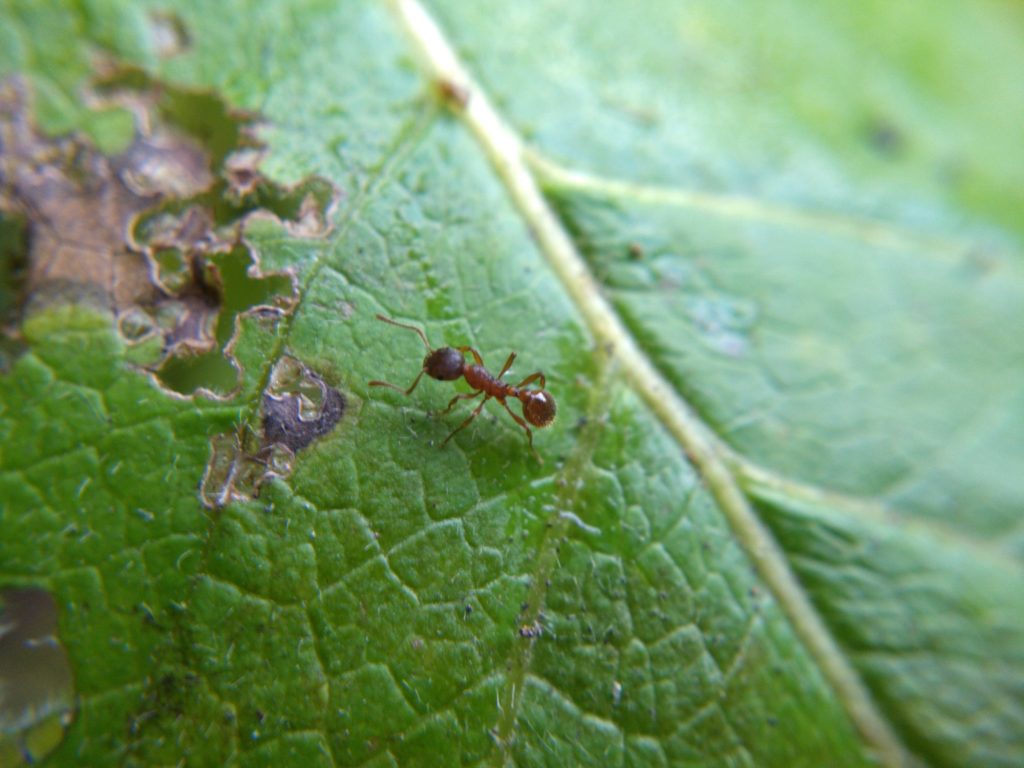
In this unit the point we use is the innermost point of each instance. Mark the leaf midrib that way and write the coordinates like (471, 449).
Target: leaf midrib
(504, 149)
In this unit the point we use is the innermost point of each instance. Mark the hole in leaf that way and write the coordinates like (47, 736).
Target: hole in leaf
(155, 233)
(36, 686)
(215, 289)
(13, 260)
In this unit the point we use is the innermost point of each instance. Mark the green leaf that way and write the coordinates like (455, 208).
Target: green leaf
(769, 259)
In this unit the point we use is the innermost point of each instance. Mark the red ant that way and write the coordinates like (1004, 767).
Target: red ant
(449, 364)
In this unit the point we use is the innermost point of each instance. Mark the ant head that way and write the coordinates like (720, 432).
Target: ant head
(444, 364)
(538, 407)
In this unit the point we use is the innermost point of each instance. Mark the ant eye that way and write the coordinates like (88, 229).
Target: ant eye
(539, 409)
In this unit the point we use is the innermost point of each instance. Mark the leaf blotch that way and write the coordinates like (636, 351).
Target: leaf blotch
(157, 233)
(299, 407)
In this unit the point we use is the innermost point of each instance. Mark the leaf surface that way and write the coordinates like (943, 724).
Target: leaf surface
(770, 263)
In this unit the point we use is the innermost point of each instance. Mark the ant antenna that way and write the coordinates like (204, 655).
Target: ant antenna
(408, 328)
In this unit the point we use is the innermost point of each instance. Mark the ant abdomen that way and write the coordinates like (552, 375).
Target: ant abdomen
(538, 408)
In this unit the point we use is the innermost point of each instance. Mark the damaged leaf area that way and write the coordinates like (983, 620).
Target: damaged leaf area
(156, 232)
(154, 235)
(298, 407)
(36, 685)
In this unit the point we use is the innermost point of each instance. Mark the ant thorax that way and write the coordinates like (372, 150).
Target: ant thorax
(480, 378)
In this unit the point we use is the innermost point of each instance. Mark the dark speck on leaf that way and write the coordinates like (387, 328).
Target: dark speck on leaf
(454, 94)
(885, 138)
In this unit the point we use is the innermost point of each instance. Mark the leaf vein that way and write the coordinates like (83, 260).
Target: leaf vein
(504, 149)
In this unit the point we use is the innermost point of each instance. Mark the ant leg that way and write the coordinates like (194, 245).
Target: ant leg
(532, 378)
(507, 365)
(408, 328)
(529, 432)
(476, 355)
(397, 388)
(469, 418)
(462, 396)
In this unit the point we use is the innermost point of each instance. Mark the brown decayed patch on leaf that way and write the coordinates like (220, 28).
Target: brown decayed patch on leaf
(152, 233)
(156, 235)
(298, 408)
(241, 169)
(77, 206)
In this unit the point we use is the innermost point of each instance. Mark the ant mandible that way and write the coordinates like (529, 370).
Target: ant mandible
(449, 364)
